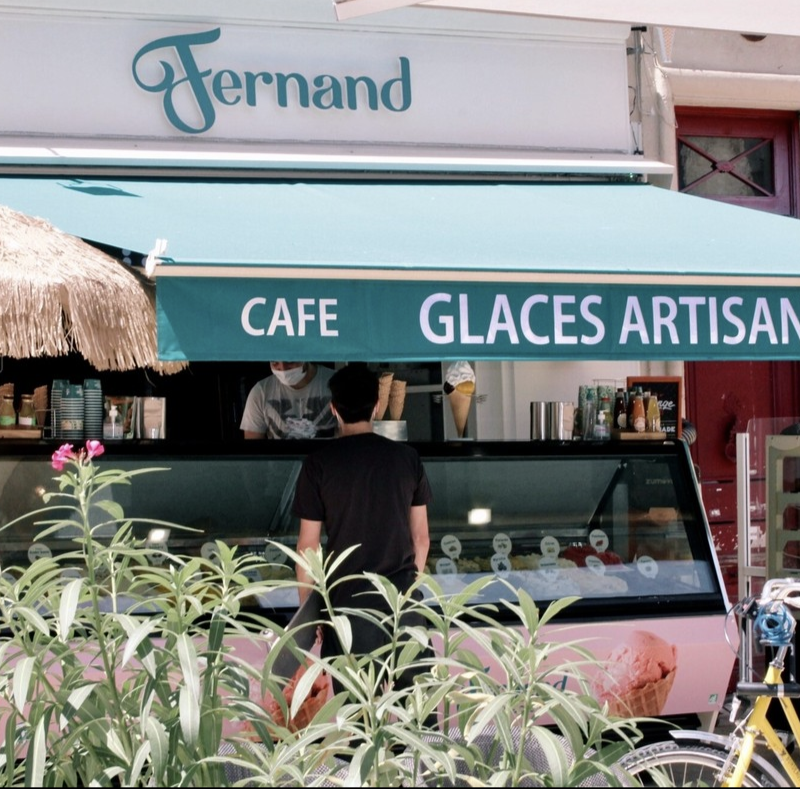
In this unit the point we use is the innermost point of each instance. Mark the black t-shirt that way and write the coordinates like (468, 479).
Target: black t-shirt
(362, 487)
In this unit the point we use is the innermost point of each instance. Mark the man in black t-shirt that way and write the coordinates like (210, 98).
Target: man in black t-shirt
(368, 491)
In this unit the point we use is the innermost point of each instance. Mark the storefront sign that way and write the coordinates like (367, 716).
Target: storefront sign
(298, 81)
(259, 319)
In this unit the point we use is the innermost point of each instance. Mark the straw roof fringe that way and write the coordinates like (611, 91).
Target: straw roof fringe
(59, 294)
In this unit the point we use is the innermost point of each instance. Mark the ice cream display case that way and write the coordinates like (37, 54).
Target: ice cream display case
(620, 525)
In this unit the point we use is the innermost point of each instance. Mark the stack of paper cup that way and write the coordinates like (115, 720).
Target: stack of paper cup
(56, 393)
(71, 412)
(93, 411)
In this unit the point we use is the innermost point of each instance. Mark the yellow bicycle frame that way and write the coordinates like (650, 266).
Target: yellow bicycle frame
(757, 724)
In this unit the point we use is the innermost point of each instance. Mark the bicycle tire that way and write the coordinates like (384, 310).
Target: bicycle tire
(677, 764)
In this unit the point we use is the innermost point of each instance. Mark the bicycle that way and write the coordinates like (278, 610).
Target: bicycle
(695, 758)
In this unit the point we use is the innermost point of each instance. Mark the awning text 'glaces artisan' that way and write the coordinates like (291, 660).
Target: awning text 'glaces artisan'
(540, 319)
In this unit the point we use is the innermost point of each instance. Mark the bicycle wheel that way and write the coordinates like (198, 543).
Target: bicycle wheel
(675, 764)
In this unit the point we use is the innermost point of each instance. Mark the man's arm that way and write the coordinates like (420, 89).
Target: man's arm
(418, 520)
(309, 537)
(253, 434)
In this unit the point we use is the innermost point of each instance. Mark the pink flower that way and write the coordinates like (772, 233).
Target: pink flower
(62, 455)
(94, 449)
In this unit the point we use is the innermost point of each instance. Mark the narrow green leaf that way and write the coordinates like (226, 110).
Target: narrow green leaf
(70, 596)
(21, 681)
(113, 508)
(490, 714)
(189, 714)
(135, 638)
(34, 618)
(159, 747)
(216, 631)
(37, 755)
(138, 764)
(10, 756)
(188, 657)
(344, 631)
(114, 744)
(74, 703)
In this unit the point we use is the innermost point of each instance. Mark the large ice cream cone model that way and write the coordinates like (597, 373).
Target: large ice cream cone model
(397, 399)
(459, 386)
(384, 388)
(460, 403)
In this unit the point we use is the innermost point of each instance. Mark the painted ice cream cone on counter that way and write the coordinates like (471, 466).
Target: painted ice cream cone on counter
(640, 676)
(459, 386)
(384, 389)
(397, 399)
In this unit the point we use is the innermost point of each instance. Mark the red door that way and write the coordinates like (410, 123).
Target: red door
(747, 158)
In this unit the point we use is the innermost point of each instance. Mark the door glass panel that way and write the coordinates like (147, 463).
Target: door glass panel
(726, 166)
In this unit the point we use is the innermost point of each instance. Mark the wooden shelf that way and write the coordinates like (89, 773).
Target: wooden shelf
(632, 435)
(20, 432)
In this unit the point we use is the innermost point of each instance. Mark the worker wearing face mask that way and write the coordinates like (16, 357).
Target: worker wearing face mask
(293, 402)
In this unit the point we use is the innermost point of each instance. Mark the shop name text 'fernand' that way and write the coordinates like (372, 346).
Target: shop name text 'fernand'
(189, 88)
(540, 319)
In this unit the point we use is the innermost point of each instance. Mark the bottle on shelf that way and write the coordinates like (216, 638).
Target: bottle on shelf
(652, 413)
(620, 419)
(112, 424)
(8, 414)
(27, 414)
(638, 415)
(602, 429)
(589, 415)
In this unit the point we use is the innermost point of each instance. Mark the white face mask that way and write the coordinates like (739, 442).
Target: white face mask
(290, 377)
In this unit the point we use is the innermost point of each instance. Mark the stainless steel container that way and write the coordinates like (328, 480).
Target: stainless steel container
(560, 416)
(538, 420)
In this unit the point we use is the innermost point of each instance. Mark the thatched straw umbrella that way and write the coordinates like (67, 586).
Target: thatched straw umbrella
(59, 294)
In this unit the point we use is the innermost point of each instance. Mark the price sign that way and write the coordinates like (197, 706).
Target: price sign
(208, 550)
(500, 563)
(595, 565)
(598, 539)
(38, 551)
(550, 546)
(502, 544)
(252, 575)
(647, 566)
(158, 553)
(274, 555)
(445, 566)
(451, 546)
(548, 567)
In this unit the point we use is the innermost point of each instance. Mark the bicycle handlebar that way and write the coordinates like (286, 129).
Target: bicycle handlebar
(786, 590)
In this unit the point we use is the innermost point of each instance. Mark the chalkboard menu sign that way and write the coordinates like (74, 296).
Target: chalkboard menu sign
(669, 390)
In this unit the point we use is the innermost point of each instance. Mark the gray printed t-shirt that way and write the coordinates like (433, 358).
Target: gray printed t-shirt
(280, 411)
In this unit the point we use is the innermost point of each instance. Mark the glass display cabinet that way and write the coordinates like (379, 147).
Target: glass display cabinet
(619, 524)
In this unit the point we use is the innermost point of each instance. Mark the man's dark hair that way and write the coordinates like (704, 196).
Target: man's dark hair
(354, 392)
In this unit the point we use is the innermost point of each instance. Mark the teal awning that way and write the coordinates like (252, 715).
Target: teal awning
(424, 270)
